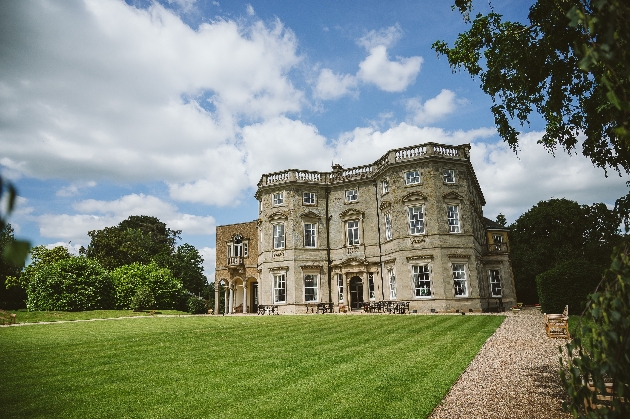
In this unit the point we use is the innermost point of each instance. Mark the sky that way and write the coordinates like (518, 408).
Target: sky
(174, 109)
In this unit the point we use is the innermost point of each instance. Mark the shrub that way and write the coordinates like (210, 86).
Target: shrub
(143, 299)
(74, 284)
(128, 279)
(569, 283)
(196, 305)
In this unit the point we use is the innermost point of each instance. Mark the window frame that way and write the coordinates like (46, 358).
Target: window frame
(275, 227)
(371, 288)
(340, 287)
(389, 230)
(315, 288)
(356, 240)
(420, 221)
(391, 281)
(313, 235)
(498, 281)
(385, 186)
(417, 271)
(277, 199)
(312, 196)
(453, 228)
(409, 176)
(463, 280)
(349, 196)
(279, 279)
(445, 178)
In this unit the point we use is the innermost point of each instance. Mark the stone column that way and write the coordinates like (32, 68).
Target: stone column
(366, 287)
(216, 296)
(231, 304)
(244, 296)
(227, 300)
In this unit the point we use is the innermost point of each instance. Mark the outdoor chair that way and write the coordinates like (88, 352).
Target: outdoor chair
(7, 318)
(557, 325)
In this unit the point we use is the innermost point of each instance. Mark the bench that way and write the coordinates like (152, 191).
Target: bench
(324, 308)
(268, 309)
(557, 325)
(601, 400)
(7, 318)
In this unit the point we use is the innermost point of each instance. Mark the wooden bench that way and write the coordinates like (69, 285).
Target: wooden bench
(325, 308)
(557, 325)
(601, 399)
(7, 318)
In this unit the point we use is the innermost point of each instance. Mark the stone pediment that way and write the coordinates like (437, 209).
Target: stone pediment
(414, 196)
(416, 258)
(385, 205)
(352, 262)
(311, 267)
(351, 213)
(278, 215)
(310, 214)
(452, 195)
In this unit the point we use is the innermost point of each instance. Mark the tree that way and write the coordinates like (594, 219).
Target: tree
(501, 220)
(570, 64)
(137, 239)
(555, 231)
(12, 298)
(13, 251)
(70, 284)
(187, 264)
(132, 281)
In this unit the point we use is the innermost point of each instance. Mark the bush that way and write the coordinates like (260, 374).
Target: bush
(568, 283)
(129, 279)
(74, 284)
(197, 305)
(143, 299)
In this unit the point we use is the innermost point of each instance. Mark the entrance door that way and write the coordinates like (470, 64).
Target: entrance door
(356, 292)
(254, 298)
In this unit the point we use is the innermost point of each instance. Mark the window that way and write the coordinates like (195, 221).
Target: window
(351, 195)
(449, 176)
(412, 177)
(310, 288)
(308, 198)
(453, 218)
(278, 198)
(310, 231)
(388, 227)
(340, 287)
(371, 286)
(245, 246)
(498, 241)
(495, 283)
(279, 288)
(353, 232)
(392, 284)
(459, 280)
(421, 280)
(416, 220)
(278, 236)
(237, 247)
(259, 206)
(385, 185)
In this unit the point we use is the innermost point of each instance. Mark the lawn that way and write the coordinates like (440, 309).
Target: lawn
(369, 366)
(24, 316)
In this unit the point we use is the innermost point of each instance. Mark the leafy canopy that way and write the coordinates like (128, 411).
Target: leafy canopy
(570, 64)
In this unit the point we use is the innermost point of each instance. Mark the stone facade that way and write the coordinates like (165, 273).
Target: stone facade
(408, 228)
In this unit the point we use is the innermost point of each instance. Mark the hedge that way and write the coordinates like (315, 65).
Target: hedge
(130, 279)
(568, 283)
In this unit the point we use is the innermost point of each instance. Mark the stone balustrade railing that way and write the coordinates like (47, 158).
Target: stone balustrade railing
(367, 171)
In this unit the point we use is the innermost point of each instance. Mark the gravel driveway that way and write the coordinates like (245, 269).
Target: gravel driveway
(515, 375)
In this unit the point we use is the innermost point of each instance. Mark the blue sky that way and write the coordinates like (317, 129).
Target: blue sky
(175, 108)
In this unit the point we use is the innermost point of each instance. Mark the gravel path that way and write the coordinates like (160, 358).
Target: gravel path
(515, 375)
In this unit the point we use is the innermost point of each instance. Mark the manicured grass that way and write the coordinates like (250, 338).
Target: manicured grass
(24, 316)
(370, 366)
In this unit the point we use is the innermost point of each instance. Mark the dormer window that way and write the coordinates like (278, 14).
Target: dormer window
(412, 177)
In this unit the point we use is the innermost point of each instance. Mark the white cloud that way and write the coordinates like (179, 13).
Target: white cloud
(97, 214)
(209, 261)
(384, 37)
(103, 90)
(75, 188)
(333, 86)
(512, 183)
(433, 109)
(250, 10)
(391, 76)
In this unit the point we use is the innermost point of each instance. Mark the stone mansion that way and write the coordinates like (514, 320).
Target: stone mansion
(407, 228)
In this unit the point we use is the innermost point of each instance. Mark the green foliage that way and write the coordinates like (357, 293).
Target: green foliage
(569, 64)
(72, 284)
(196, 305)
(9, 298)
(555, 231)
(143, 299)
(568, 283)
(187, 264)
(128, 279)
(136, 367)
(601, 352)
(501, 220)
(13, 252)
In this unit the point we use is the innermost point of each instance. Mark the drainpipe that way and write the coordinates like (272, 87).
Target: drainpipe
(328, 248)
(380, 251)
